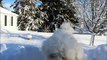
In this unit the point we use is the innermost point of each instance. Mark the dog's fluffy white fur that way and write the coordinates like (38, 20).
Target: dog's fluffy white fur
(62, 45)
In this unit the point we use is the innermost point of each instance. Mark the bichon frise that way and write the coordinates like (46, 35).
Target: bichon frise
(62, 45)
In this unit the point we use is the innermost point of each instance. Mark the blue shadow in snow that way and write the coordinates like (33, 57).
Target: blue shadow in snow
(21, 52)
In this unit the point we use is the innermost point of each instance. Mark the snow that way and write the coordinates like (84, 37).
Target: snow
(16, 46)
(4, 11)
(97, 53)
(21, 52)
(85, 39)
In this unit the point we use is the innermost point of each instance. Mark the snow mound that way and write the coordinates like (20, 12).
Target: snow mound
(3, 47)
(97, 53)
(20, 52)
(100, 53)
(4, 31)
(15, 46)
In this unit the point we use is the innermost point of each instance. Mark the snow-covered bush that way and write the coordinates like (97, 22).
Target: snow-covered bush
(63, 46)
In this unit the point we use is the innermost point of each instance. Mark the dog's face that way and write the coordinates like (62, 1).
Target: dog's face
(55, 56)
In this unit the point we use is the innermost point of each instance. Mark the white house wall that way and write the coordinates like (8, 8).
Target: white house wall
(1, 18)
(9, 15)
(9, 27)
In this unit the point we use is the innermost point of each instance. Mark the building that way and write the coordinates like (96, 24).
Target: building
(8, 20)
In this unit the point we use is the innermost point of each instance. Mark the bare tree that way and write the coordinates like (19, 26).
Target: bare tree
(93, 14)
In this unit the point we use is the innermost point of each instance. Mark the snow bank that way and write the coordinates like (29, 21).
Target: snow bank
(18, 48)
(100, 53)
(21, 52)
(47, 35)
(96, 53)
(15, 46)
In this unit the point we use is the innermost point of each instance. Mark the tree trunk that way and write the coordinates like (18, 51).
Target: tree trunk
(92, 39)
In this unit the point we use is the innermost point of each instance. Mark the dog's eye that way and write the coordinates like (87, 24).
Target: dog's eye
(52, 55)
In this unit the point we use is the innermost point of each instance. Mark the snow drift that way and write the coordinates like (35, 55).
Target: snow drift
(63, 46)
(20, 52)
(100, 53)
(97, 53)
(14, 46)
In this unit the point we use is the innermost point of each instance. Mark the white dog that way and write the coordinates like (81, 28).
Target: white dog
(63, 46)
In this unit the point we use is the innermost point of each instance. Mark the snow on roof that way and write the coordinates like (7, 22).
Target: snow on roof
(7, 12)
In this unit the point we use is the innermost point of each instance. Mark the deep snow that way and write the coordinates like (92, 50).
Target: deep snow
(16, 46)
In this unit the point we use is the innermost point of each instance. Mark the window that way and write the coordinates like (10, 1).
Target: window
(5, 22)
(12, 21)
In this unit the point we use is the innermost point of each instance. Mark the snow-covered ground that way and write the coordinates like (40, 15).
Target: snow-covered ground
(16, 46)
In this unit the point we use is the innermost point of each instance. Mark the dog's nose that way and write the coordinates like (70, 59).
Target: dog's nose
(53, 55)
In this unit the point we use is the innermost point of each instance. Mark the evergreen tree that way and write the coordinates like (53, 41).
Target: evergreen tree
(28, 12)
(1, 3)
(55, 12)
(48, 17)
